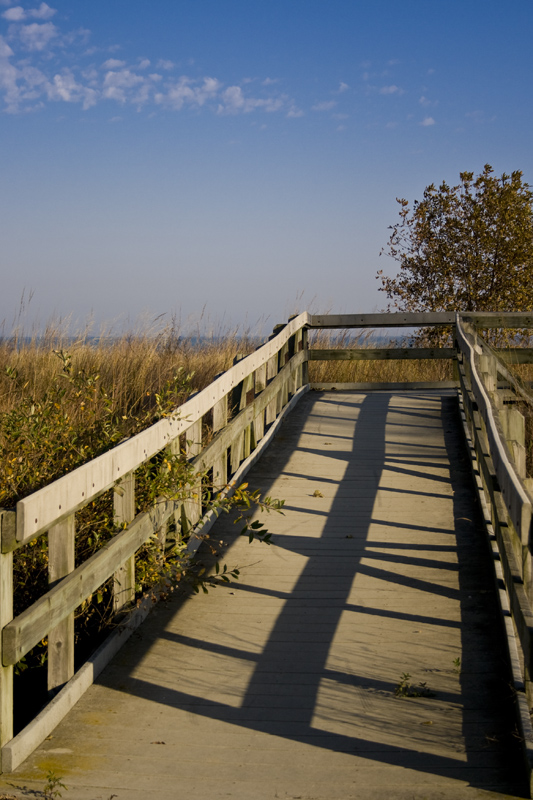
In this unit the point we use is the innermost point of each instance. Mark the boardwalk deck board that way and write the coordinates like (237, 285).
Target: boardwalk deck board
(282, 685)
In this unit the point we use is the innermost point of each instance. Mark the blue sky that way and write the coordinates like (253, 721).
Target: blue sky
(239, 158)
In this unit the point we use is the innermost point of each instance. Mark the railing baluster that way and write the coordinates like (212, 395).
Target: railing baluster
(272, 371)
(193, 446)
(514, 429)
(124, 510)
(61, 545)
(220, 465)
(259, 421)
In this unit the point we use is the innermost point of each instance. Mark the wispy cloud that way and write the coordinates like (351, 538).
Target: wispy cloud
(393, 89)
(34, 37)
(165, 64)
(113, 63)
(234, 101)
(427, 122)
(294, 112)
(327, 105)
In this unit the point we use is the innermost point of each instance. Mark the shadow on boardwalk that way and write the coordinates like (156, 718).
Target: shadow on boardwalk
(283, 685)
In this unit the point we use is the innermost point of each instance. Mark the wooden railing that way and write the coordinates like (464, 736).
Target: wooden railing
(266, 383)
(495, 406)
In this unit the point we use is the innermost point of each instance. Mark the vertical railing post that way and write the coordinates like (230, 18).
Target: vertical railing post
(7, 530)
(260, 385)
(220, 465)
(193, 446)
(61, 546)
(455, 362)
(124, 510)
(305, 348)
(272, 371)
(247, 397)
(237, 445)
(283, 395)
(514, 430)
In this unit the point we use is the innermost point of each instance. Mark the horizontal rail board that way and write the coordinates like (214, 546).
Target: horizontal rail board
(381, 353)
(385, 320)
(391, 386)
(516, 355)
(498, 319)
(66, 495)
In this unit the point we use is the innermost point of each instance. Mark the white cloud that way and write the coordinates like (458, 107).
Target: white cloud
(294, 112)
(15, 14)
(235, 102)
(145, 63)
(183, 92)
(5, 50)
(8, 77)
(424, 101)
(343, 87)
(327, 105)
(164, 64)
(43, 12)
(36, 37)
(427, 122)
(113, 63)
(269, 81)
(116, 84)
(65, 87)
(391, 90)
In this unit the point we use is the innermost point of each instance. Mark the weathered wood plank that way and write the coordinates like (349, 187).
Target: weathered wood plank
(497, 319)
(516, 355)
(381, 354)
(272, 371)
(193, 446)
(385, 320)
(384, 386)
(124, 512)
(61, 542)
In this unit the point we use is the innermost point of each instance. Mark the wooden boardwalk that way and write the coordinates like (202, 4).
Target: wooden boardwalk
(283, 685)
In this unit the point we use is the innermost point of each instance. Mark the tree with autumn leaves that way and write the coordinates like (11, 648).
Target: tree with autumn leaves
(464, 248)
